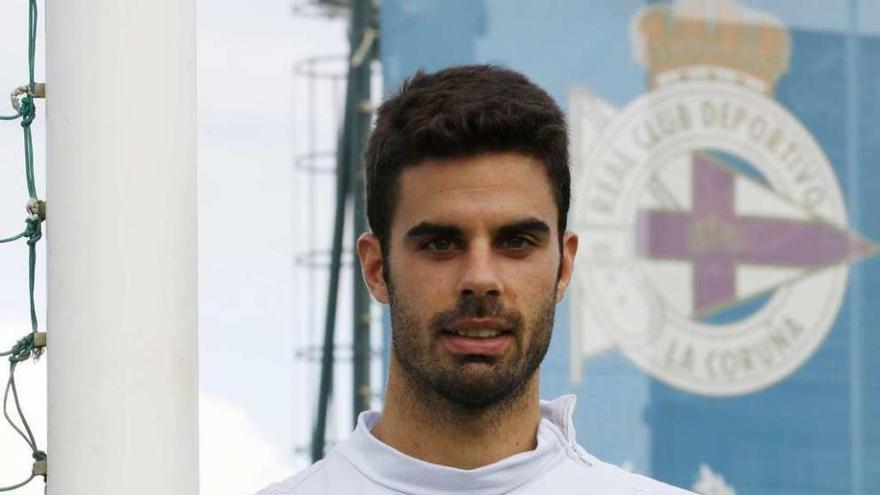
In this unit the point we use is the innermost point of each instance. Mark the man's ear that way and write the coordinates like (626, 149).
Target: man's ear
(566, 264)
(372, 266)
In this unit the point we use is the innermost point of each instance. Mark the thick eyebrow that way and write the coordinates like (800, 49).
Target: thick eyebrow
(434, 229)
(528, 226)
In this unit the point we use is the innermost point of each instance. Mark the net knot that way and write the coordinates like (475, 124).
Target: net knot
(23, 102)
(28, 110)
(23, 349)
(33, 229)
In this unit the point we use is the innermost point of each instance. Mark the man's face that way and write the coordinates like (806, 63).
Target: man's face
(474, 272)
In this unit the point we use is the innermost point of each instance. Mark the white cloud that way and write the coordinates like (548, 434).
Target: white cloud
(235, 458)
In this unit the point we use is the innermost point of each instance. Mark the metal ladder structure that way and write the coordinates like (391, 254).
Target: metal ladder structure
(323, 79)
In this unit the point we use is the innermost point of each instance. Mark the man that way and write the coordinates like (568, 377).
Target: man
(467, 196)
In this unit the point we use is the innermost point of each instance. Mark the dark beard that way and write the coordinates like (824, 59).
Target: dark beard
(473, 383)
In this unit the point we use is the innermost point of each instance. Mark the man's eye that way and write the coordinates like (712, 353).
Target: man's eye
(516, 243)
(439, 245)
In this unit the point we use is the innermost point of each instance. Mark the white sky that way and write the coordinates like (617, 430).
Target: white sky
(250, 207)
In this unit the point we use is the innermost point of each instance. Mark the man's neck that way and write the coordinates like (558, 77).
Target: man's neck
(450, 436)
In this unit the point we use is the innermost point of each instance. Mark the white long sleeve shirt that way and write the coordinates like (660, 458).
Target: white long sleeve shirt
(362, 465)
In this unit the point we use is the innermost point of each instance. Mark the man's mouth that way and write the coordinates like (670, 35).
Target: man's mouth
(476, 333)
(486, 336)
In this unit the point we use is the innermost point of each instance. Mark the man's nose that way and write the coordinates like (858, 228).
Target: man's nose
(480, 276)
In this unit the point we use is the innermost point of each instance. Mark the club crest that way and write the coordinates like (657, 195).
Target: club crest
(715, 246)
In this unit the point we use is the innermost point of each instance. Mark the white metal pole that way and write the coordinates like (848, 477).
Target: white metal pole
(121, 234)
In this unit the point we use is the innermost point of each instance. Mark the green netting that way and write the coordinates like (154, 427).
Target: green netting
(28, 346)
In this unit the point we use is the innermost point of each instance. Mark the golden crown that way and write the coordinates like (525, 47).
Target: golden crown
(684, 40)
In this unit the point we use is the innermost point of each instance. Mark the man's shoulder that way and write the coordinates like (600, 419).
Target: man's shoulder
(637, 484)
(329, 475)
(614, 480)
(297, 483)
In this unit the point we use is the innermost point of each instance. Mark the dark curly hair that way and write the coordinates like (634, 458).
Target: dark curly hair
(460, 112)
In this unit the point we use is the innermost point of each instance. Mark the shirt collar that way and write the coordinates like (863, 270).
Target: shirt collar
(398, 471)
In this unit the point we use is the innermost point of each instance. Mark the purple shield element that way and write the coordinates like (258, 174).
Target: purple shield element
(715, 239)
